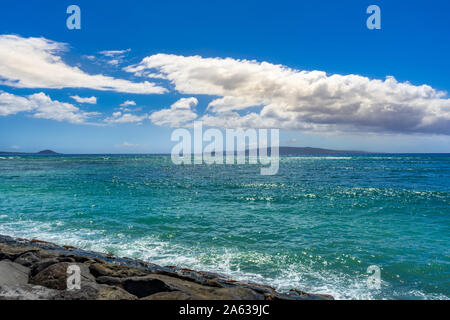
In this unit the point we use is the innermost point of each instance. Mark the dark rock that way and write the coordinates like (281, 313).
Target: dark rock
(43, 264)
(113, 293)
(138, 286)
(66, 259)
(296, 294)
(43, 242)
(12, 252)
(112, 281)
(213, 283)
(115, 270)
(325, 296)
(174, 295)
(28, 259)
(88, 291)
(26, 292)
(13, 273)
(81, 259)
(236, 293)
(203, 292)
(255, 287)
(269, 296)
(143, 287)
(55, 276)
(93, 291)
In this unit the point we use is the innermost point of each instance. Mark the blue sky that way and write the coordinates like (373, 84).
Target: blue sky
(329, 36)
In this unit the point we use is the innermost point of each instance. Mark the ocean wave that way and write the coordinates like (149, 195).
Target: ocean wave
(231, 263)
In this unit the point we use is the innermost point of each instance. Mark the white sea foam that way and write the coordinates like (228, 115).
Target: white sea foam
(303, 276)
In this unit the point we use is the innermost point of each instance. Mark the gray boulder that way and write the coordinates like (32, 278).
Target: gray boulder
(13, 273)
(26, 292)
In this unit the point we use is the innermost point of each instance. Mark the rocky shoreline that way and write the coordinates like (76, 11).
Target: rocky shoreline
(38, 270)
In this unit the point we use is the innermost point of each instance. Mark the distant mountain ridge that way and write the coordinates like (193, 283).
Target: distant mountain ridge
(43, 152)
(305, 151)
(293, 151)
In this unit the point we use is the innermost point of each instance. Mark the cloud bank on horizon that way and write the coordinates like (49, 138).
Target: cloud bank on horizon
(244, 93)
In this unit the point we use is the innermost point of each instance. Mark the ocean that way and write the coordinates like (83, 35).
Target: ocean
(316, 226)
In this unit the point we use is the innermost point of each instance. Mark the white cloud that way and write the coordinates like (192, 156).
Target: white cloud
(40, 105)
(114, 53)
(119, 117)
(128, 103)
(90, 58)
(91, 100)
(116, 56)
(179, 114)
(36, 63)
(293, 99)
(127, 145)
(114, 62)
(12, 104)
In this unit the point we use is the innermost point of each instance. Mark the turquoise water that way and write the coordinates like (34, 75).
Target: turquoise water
(317, 226)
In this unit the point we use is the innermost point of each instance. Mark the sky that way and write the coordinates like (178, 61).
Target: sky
(137, 70)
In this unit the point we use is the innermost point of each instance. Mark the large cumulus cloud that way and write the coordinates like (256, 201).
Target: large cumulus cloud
(261, 94)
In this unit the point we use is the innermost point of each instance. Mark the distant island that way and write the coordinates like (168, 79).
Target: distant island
(43, 152)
